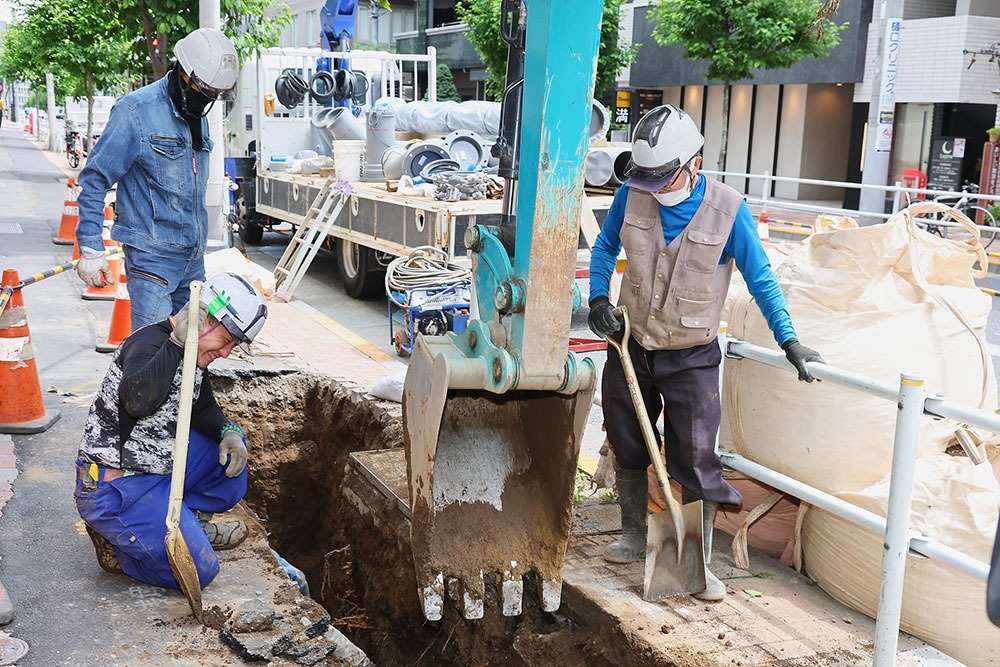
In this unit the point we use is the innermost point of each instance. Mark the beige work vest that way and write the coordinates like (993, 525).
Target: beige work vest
(675, 293)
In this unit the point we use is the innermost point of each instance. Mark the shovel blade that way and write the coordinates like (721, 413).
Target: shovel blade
(184, 569)
(675, 564)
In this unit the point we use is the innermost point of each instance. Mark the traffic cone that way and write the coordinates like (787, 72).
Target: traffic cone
(21, 407)
(108, 292)
(70, 217)
(121, 317)
(763, 229)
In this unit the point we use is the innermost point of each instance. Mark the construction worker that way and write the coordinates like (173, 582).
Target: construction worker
(156, 148)
(682, 233)
(125, 459)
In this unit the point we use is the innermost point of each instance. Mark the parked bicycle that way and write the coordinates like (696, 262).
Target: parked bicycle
(979, 215)
(74, 148)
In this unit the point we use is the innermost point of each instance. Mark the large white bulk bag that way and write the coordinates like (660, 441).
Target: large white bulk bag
(955, 503)
(876, 301)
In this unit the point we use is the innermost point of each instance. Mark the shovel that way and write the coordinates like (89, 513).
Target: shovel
(178, 551)
(675, 562)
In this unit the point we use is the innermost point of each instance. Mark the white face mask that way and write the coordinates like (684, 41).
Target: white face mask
(679, 195)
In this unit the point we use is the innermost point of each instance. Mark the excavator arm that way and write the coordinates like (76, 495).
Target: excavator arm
(493, 418)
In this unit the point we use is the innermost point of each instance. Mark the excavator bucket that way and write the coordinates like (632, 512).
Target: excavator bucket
(491, 483)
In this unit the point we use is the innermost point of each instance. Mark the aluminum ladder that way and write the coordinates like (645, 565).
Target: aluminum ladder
(309, 236)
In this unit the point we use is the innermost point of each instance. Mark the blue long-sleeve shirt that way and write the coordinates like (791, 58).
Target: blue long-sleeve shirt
(743, 246)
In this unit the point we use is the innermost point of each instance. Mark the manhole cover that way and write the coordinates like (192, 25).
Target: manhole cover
(12, 649)
(10, 228)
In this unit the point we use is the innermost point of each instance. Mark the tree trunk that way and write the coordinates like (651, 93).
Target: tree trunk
(158, 60)
(726, 96)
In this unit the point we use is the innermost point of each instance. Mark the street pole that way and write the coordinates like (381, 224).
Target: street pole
(209, 16)
(881, 108)
(50, 96)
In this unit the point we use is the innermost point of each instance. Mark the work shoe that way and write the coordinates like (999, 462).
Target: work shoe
(632, 492)
(715, 590)
(106, 557)
(223, 534)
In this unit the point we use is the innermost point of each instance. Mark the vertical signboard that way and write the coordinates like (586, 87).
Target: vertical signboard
(887, 95)
(623, 107)
(944, 171)
(649, 100)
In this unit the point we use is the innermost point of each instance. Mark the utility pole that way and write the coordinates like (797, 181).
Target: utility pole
(209, 16)
(50, 96)
(881, 108)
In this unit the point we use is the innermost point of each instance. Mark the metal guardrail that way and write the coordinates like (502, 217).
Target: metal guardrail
(913, 403)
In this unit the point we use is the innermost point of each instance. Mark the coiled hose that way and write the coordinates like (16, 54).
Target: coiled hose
(290, 88)
(328, 87)
(426, 267)
(350, 85)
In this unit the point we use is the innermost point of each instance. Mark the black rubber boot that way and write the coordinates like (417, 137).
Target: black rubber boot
(632, 491)
(715, 590)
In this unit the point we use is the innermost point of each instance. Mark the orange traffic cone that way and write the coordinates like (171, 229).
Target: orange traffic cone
(21, 406)
(70, 217)
(108, 292)
(763, 229)
(121, 316)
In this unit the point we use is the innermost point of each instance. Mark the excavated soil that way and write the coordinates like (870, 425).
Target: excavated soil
(353, 542)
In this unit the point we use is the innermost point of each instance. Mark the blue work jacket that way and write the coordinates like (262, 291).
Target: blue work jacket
(160, 200)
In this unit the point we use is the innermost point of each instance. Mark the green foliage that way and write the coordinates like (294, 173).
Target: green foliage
(483, 19)
(738, 36)
(993, 130)
(446, 89)
(156, 25)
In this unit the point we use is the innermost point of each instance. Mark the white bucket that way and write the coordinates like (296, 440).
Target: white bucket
(348, 158)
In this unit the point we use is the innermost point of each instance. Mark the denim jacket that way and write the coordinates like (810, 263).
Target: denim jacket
(160, 199)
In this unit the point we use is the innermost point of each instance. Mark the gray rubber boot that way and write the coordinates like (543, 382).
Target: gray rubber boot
(632, 491)
(222, 534)
(715, 590)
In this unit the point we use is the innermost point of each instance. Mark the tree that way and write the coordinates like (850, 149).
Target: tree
(446, 89)
(739, 36)
(79, 41)
(159, 24)
(483, 19)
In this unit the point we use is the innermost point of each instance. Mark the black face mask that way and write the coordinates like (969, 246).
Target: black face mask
(190, 102)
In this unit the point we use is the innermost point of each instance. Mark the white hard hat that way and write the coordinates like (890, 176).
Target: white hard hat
(665, 139)
(209, 58)
(237, 305)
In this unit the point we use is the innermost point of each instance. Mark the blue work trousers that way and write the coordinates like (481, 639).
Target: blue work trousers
(159, 285)
(130, 512)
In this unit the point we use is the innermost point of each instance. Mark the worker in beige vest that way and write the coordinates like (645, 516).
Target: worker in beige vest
(682, 233)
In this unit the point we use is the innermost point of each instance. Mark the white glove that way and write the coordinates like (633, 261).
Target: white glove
(233, 449)
(179, 334)
(93, 268)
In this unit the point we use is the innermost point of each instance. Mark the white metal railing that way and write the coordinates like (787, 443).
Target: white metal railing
(900, 199)
(913, 402)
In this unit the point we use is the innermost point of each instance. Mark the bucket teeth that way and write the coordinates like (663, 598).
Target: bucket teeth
(432, 598)
(551, 594)
(472, 598)
(511, 593)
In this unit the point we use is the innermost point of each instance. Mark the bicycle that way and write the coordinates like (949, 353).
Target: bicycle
(987, 223)
(74, 148)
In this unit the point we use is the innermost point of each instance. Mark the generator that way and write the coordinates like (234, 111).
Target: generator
(431, 311)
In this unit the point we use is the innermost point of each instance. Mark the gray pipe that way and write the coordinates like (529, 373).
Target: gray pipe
(380, 137)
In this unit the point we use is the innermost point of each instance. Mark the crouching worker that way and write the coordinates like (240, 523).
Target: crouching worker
(126, 456)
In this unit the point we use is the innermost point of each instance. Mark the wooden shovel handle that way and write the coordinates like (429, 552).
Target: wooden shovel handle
(184, 408)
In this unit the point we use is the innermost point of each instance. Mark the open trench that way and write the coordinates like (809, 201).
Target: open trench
(353, 543)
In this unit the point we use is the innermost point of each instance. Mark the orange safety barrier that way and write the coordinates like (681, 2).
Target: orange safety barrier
(121, 316)
(70, 217)
(763, 229)
(21, 407)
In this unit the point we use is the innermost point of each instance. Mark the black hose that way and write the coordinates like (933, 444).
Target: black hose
(327, 87)
(290, 89)
(360, 95)
(345, 84)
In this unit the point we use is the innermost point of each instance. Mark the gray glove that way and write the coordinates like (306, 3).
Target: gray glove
(233, 448)
(798, 354)
(179, 333)
(93, 268)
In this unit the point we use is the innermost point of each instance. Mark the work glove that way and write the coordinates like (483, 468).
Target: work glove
(93, 268)
(233, 448)
(179, 333)
(602, 319)
(798, 354)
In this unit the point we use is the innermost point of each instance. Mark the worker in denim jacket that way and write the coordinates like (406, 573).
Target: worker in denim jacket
(125, 461)
(156, 148)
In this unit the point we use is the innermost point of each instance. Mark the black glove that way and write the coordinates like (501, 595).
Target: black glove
(602, 319)
(798, 354)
